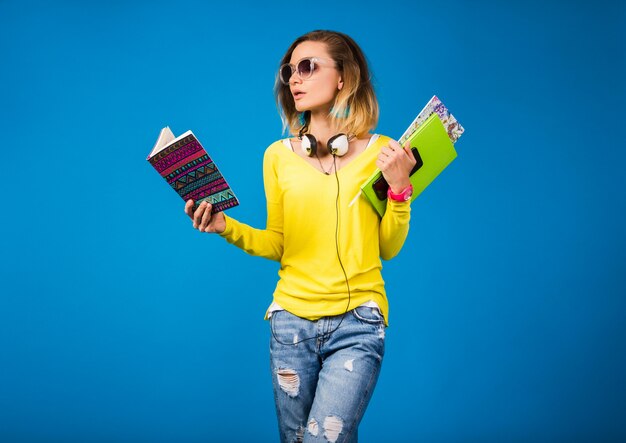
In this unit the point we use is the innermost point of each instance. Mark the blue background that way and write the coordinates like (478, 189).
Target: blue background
(121, 323)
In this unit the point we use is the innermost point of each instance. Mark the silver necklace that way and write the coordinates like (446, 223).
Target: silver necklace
(322, 166)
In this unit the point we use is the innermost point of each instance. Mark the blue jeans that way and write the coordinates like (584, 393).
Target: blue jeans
(323, 383)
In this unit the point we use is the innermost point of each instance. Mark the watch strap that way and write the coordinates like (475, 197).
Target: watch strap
(403, 196)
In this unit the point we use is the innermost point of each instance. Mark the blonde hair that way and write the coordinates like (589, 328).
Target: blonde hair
(355, 110)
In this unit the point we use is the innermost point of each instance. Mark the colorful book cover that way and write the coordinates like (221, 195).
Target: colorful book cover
(433, 150)
(187, 168)
(435, 106)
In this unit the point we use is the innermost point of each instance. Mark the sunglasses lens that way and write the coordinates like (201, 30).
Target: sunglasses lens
(306, 68)
(285, 73)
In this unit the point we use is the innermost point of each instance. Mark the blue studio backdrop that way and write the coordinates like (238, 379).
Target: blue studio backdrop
(121, 323)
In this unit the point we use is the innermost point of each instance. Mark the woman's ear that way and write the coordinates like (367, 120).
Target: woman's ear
(340, 84)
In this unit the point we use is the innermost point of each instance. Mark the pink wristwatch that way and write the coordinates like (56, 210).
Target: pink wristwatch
(403, 196)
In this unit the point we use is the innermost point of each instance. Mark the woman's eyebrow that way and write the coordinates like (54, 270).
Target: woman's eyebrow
(306, 56)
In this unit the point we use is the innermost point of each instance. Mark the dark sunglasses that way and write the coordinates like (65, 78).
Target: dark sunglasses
(305, 68)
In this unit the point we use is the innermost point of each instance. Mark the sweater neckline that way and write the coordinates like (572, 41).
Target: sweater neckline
(372, 141)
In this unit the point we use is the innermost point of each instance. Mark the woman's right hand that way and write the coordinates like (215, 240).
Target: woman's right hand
(202, 219)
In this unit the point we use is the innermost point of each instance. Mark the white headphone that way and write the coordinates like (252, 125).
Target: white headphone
(337, 144)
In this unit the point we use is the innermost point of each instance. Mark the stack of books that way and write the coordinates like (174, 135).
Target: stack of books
(432, 136)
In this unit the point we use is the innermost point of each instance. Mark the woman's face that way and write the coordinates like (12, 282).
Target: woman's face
(318, 92)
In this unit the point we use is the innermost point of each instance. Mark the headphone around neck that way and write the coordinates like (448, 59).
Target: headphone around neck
(337, 144)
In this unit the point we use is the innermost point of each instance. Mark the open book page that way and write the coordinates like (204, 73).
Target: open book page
(166, 138)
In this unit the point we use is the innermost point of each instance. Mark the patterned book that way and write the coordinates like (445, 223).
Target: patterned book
(188, 169)
(434, 106)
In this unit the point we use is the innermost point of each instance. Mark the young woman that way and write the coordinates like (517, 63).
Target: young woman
(329, 312)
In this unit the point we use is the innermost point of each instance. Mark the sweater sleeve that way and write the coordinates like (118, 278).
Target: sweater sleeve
(394, 228)
(266, 242)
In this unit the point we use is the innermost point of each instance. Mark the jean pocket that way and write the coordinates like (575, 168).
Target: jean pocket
(368, 315)
(280, 318)
(287, 328)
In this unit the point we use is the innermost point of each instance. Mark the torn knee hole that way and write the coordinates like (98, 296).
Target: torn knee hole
(313, 427)
(289, 381)
(332, 428)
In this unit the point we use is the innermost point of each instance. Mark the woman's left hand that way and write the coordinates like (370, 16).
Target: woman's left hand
(396, 162)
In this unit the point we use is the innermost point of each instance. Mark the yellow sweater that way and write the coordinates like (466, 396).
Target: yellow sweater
(301, 231)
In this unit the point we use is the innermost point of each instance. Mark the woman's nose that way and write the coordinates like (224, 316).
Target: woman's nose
(294, 76)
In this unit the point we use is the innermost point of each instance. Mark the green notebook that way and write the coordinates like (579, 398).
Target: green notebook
(433, 151)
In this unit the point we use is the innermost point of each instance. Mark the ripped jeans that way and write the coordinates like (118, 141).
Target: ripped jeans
(322, 385)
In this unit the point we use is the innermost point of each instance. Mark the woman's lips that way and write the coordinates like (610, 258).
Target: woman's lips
(298, 95)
